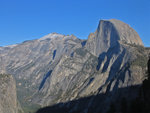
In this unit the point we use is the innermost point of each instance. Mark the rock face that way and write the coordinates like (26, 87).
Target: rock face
(32, 61)
(109, 33)
(8, 96)
(59, 69)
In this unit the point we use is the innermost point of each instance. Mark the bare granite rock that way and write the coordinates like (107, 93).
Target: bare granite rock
(109, 33)
(59, 68)
(8, 96)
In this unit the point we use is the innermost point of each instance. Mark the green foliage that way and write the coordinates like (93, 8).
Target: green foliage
(142, 103)
(20, 111)
(138, 47)
(4, 76)
(28, 108)
(81, 52)
(140, 61)
(24, 95)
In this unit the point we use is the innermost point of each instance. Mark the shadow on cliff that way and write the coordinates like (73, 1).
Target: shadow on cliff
(109, 102)
(131, 99)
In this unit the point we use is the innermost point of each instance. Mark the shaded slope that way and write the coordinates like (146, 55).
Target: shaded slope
(95, 103)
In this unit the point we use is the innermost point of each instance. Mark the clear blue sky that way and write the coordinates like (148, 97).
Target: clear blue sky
(22, 20)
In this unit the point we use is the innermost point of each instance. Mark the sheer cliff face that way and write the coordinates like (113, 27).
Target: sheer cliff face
(59, 68)
(109, 33)
(8, 97)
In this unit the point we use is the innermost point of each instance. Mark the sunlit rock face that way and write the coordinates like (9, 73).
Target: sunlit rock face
(109, 33)
(59, 68)
(8, 96)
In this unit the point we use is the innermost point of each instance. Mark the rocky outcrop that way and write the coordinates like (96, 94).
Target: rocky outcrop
(8, 96)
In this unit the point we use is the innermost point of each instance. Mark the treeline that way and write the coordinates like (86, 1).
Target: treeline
(139, 105)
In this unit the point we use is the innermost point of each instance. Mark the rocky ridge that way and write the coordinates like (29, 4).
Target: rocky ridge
(59, 68)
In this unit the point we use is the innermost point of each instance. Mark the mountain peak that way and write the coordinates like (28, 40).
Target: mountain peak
(125, 32)
(51, 36)
(57, 36)
(109, 34)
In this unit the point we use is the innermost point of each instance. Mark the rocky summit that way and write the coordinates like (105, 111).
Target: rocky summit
(109, 33)
(77, 76)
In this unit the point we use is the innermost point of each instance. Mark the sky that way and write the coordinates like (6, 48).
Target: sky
(22, 20)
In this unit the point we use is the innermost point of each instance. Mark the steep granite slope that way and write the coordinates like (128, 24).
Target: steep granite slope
(109, 33)
(30, 61)
(8, 96)
(59, 69)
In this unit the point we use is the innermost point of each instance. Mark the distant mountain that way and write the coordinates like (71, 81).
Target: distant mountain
(83, 75)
